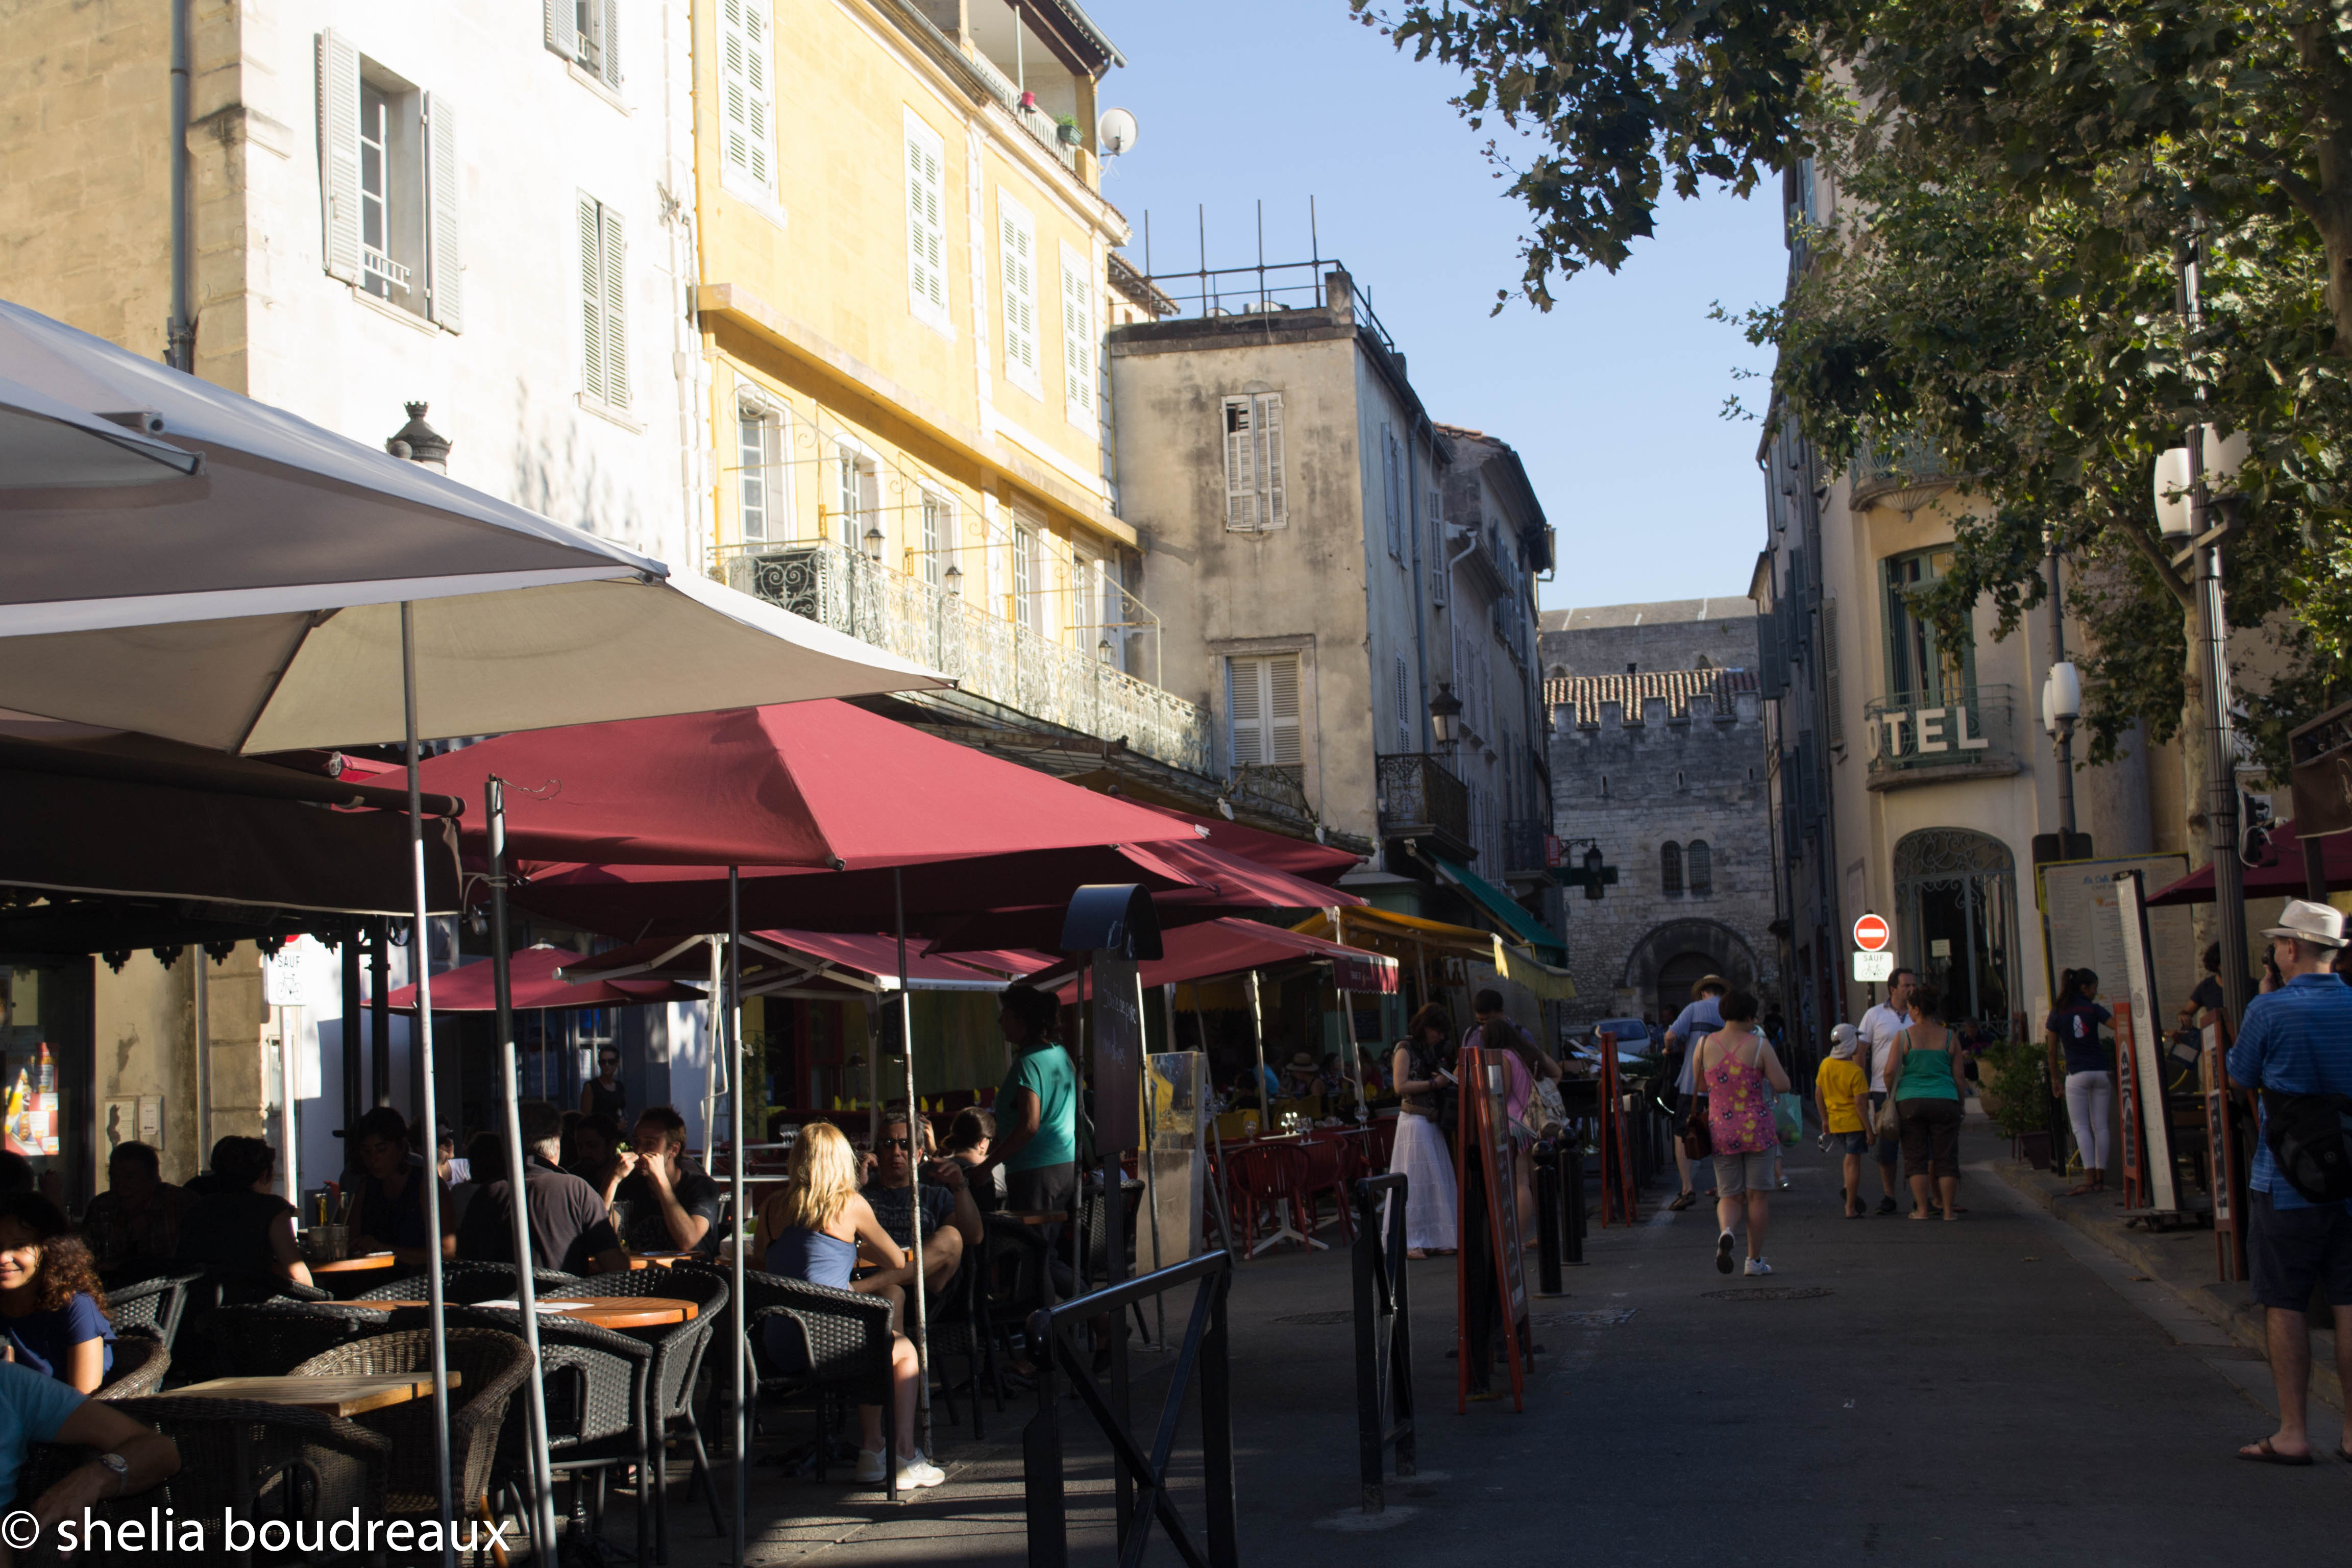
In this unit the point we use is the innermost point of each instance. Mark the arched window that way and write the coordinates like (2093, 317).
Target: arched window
(1702, 868)
(1670, 869)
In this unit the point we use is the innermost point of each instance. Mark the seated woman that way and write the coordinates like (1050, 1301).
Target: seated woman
(390, 1212)
(240, 1224)
(816, 1228)
(969, 1136)
(52, 1310)
(1302, 1079)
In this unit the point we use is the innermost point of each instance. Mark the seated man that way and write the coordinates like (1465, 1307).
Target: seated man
(663, 1204)
(951, 1221)
(135, 1223)
(391, 1208)
(36, 1409)
(570, 1228)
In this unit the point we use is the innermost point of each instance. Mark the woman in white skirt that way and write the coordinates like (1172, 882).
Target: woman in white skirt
(1423, 1067)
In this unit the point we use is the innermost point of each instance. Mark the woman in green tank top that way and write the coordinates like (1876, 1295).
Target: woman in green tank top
(1929, 1081)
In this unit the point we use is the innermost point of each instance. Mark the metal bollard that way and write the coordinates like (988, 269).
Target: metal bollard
(1548, 1217)
(1573, 1179)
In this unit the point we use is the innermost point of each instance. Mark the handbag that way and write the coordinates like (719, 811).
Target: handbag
(1888, 1122)
(1697, 1142)
(2306, 1137)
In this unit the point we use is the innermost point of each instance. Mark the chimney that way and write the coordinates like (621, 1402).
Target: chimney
(1340, 291)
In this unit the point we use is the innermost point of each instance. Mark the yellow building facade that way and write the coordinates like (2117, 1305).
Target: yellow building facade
(903, 263)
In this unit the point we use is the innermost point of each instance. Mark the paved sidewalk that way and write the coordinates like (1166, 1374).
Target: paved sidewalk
(1933, 1393)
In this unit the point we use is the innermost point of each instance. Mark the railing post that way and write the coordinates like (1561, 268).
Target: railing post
(1217, 1428)
(1547, 1163)
(1400, 1345)
(1041, 1455)
(1370, 1418)
(1573, 1179)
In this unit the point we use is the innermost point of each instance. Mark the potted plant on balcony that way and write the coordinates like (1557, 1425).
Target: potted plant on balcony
(1066, 132)
(1029, 103)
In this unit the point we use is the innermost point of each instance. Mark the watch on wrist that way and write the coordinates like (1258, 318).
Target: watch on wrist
(121, 1468)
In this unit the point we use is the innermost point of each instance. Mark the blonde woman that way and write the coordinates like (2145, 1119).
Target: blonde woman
(817, 1229)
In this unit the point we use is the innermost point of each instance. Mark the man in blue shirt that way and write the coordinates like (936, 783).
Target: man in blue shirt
(35, 1409)
(1695, 1022)
(2297, 1041)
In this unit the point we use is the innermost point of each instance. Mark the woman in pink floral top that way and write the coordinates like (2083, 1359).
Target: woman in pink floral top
(1742, 1074)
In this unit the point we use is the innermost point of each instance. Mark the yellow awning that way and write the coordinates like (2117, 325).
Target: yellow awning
(1545, 982)
(1383, 930)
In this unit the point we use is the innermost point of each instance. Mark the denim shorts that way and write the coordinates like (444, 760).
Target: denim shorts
(1849, 1143)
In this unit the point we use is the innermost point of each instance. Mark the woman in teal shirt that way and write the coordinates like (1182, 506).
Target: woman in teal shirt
(1929, 1082)
(1036, 1107)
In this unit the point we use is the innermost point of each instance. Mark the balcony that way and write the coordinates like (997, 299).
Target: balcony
(1527, 845)
(1036, 121)
(1900, 471)
(1957, 733)
(1420, 799)
(989, 658)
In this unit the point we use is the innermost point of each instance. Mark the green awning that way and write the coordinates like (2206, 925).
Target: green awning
(1523, 928)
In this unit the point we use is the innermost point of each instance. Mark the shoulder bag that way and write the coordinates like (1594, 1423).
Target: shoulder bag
(2307, 1136)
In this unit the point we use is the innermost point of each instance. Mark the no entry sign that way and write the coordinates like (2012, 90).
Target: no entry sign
(1871, 933)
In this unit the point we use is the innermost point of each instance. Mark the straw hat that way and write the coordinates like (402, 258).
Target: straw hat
(1302, 1061)
(2315, 923)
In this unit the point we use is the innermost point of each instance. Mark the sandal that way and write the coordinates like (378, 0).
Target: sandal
(1684, 1201)
(1416, 1252)
(2262, 1453)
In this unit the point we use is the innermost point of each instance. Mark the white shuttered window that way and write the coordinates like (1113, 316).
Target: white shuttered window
(1254, 481)
(1262, 710)
(1403, 708)
(927, 232)
(604, 308)
(1017, 259)
(1392, 490)
(747, 96)
(389, 186)
(1077, 340)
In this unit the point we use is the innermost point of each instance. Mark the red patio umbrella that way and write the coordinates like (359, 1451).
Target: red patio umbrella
(1228, 946)
(2283, 878)
(468, 988)
(1299, 856)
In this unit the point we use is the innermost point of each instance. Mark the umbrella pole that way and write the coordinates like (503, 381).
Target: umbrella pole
(1347, 1039)
(733, 1023)
(435, 1315)
(713, 1034)
(1150, 1183)
(1257, 1040)
(915, 1177)
(542, 1480)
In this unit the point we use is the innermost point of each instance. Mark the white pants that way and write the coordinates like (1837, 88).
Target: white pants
(2091, 1106)
(1430, 1199)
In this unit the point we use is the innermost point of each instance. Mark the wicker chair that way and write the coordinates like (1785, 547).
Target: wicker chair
(272, 1338)
(678, 1359)
(846, 1340)
(156, 1303)
(140, 1360)
(490, 1365)
(957, 1323)
(595, 1383)
(266, 1461)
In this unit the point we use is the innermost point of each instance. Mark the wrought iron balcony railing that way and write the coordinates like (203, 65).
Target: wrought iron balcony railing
(1900, 471)
(990, 657)
(1526, 843)
(1419, 798)
(1957, 725)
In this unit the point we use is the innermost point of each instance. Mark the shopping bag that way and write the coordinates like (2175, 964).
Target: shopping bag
(1788, 1116)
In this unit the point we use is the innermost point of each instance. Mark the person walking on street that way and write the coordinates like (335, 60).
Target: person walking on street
(1425, 1075)
(2295, 1051)
(1736, 1063)
(2073, 1027)
(1879, 1026)
(1841, 1092)
(1930, 1083)
(1698, 1019)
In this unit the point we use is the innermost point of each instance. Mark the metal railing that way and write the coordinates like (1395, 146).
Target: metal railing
(1525, 844)
(1383, 1337)
(1265, 286)
(1036, 121)
(1900, 471)
(987, 655)
(1419, 797)
(1204, 1349)
(1960, 724)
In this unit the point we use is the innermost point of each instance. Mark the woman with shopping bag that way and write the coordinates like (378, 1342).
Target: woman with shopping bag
(1741, 1075)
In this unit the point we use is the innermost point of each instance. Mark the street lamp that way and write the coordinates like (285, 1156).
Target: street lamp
(955, 579)
(874, 543)
(1444, 716)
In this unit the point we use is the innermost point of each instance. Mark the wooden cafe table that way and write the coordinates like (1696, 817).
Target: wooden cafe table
(365, 1264)
(604, 1312)
(344, 1396)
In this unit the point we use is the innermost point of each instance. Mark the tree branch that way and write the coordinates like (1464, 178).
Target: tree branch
(2163, 564)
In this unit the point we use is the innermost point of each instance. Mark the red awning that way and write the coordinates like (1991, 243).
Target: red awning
(802, 783)
(775, 958)
(466, 989)
(1228, 946)
(1298, 857)
(2283, 878)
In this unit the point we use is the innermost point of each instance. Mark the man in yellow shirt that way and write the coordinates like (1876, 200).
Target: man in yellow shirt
(1840, 1091)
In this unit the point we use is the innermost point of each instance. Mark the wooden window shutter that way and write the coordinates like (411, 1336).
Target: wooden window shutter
(1077, 338)
(1275, 509)
(1246, 709)
(592, 301)
(927, 274)
(1241, 466)
(1833, 686)
(616, 311)
(1404, 708)
(339, 153)
(445, 283)
(747, 96)
(1018, 238)
(1282, 732)
(564, 28)
(1390, 490)
(608, 46)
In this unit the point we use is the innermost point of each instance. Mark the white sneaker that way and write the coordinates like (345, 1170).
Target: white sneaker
(1723, 1246)
(1757, 1266)
(918, 1472)
(870, 1466)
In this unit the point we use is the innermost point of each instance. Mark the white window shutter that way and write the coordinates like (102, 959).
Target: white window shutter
(1404, 708)
(616, 311)
(562, 28)
(927, 273)
(747, 96)
(592, 301)
(608, 46)
(1282, 743)
(1390, 483)
(1275, 507)
(1241, 466)
(339, 153)
(1018, 236)
(1077, 339)
(1246, 709)
(445, 262)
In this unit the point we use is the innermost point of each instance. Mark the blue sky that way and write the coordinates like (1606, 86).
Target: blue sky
(1611, 399)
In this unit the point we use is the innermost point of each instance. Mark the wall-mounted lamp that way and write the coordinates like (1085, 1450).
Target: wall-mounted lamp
(1444, 716)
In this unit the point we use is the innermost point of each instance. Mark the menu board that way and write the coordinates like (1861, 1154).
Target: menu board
(2082, 930)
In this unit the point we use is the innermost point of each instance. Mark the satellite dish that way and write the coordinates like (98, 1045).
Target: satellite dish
(1115, 131)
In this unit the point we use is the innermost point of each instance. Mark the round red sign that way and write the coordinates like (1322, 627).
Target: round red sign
(1871, 933)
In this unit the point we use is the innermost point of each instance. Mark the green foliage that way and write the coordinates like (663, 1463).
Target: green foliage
(2016, 1073)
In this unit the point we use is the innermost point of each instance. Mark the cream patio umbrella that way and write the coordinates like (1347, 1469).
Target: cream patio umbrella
(304, 590)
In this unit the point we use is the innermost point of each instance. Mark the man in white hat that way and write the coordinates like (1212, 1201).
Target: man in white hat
(2297, 1040)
